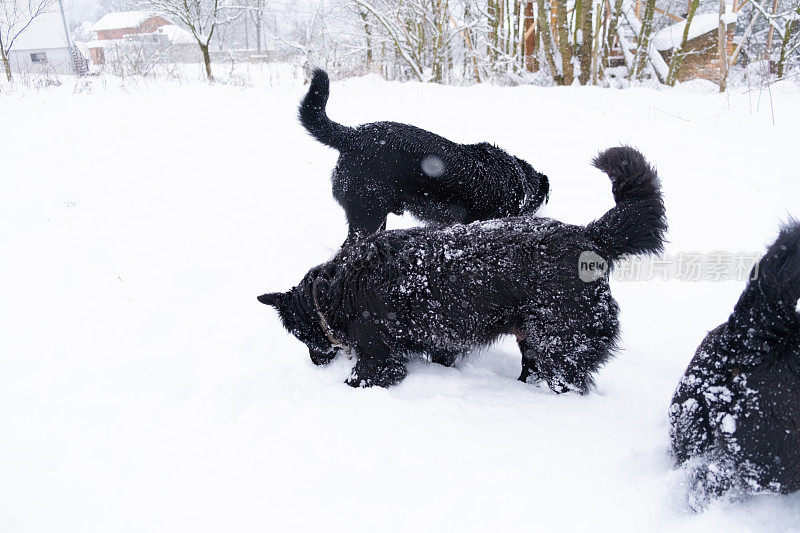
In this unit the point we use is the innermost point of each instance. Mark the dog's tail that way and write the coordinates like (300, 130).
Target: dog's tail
(313, 116)
(765, 312)
(636, 225)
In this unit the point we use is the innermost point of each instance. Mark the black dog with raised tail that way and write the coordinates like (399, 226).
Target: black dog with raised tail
(441, 293)
(389, 167)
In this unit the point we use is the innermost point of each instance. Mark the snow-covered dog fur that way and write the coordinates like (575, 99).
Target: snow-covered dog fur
(442, 292)
(735, 417)
(388, 167)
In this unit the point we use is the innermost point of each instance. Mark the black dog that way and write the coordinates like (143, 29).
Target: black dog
(444, 292)
(736, 412)
(388, 167)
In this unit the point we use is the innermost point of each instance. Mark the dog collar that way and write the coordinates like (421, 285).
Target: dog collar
(323, 323)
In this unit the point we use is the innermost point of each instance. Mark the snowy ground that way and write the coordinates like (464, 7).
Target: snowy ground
(143, 388)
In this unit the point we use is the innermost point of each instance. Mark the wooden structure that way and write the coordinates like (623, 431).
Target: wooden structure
(701, 55)
(701, 58)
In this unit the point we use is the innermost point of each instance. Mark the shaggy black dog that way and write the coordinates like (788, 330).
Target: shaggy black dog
(735, 417)
(443, 292)
(388, 167)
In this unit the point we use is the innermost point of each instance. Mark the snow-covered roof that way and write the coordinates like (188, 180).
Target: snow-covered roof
(101, 43)
(176, 34)
(46, 31)
(671, 36)
(123, 19)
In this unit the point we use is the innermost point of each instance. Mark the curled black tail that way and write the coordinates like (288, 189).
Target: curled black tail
(313, 116)
(636, 225)
(766, 309)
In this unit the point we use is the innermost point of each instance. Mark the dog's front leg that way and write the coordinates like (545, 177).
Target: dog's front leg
(377, 368)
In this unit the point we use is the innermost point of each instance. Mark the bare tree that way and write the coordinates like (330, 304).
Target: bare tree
(450, 41)
(680, 54)
(546, 37)
(643, 48)
(256, 11)
(584, 40)
(15, 17)
(564, 45)
(722, 47)
(790, 34)
(201, 17)
(771, 30)
(611, 35)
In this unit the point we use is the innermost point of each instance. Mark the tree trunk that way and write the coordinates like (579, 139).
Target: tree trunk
(644, 39)
(501, 25)
(563, 43)
(367, 37)
(722, 47)
(529, 38)
(546, 39)
(612, 32)
(4, 57)
(257, 23)
(207, 61)
(679, 56)
(516, 38)
(768, 49)
(6, 63)
(597, 42)
(470, 55)
(246, 33)
(790, 29)
(492, 10)
(586, 33)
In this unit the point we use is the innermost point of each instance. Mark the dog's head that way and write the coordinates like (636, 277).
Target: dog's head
(299, 316)
(539, 181)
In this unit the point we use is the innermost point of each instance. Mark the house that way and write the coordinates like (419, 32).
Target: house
(133, 33)
(45, 47)
(118, 25)
(702, 54)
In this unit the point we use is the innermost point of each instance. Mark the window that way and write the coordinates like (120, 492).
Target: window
(39, 57)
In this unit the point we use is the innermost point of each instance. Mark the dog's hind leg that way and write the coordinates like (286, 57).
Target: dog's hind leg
(529, 372)
(443, 357)
(710, 479)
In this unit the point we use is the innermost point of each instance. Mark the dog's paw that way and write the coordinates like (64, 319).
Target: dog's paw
(531, 378)
(321, 358)
(358, 383)
(365, 375)
(560, 387)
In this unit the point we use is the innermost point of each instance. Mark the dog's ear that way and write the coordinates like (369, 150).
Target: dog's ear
(275, 299)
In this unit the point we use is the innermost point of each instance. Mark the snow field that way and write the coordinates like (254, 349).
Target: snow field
(143, 388)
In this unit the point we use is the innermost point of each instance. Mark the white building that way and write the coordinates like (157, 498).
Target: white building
(43, 48)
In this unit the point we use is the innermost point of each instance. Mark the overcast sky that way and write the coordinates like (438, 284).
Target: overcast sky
(81, 10)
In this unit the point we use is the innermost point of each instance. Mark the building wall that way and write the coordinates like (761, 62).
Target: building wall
(148, 26)
(152, 24)
(59, 61)
(702, 60)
